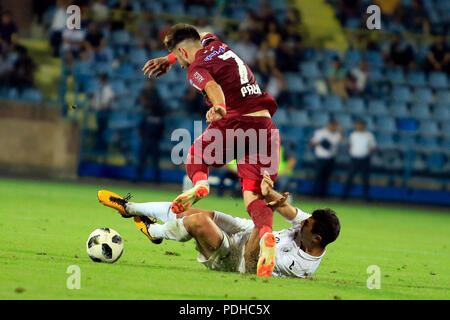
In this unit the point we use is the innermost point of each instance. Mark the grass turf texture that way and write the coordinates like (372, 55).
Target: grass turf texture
(44, 227)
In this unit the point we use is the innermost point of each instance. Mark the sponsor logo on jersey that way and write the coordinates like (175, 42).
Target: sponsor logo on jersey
(198, 77)
(216, 52)
(250, 89)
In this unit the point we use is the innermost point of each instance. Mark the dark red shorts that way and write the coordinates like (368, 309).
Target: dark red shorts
(253, 141)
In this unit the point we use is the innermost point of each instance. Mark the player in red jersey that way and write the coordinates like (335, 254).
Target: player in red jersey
(239, 114)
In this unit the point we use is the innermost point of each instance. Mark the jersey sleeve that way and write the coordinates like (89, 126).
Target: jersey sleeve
(296, 222)
(199, 77)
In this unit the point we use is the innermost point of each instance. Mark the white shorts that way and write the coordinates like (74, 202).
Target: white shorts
(230, 255)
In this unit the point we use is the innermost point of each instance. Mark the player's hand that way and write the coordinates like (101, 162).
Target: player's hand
(215, 113)
(157, 67)
(278, 203)
(266, 184)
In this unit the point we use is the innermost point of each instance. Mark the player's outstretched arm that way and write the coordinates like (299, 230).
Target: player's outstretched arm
(217, 98)
(276, 200)
(157, 66)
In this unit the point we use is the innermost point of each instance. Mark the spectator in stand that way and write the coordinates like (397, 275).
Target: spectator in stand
(95, 44)
(415, 17)
(246, 49)
(400, 53)
(6, 67)
(151, 130)
(273, 35)
(349, 9)
(146, 29)
(361, 76)
(290, 50)
(325, 142)
(8, 31)
(100, 10)
(120, 14)
(438, 57)
(362, 146)
(194, 103)
(58, 26)
(72, 41)
(266, 62)
(335, 76)
(254, 27)
(102, 101)
(22, 75)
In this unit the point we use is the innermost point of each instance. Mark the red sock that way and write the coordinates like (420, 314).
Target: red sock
(198, 176)
(262, 216)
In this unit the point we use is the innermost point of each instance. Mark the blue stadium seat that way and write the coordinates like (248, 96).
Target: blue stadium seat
(356, 106)
(280, 118)
(294, 82)
(333, 104)
(385, 140)
(320, 118)
(312, 101)
(125, 70)
(176, 9)
(310, 69)
(352, 58)
(423, 95)
(445, 145)
(118, 87)
(298, 118)
(120, 37)
(401, 93)
(376, 75)
(438, 80)
(395, 76)
(427, 143)
(442, 112)
(428, 127)
(446, 128)
(377, 107)
(443, 97)
(386, 124)
(416, 79)
(345, 120)
(435, 162)
(138, 56)
(374, 58)
(420, 111)
(399, 109)
(197, 11)
(31, 95)
(329, 55)
(406, 141)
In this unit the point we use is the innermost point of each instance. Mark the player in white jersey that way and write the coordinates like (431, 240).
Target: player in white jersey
(228, 243)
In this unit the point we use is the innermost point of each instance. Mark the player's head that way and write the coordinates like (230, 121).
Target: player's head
(333, 124)
(360, 125)
(184, 41)
(320, 229)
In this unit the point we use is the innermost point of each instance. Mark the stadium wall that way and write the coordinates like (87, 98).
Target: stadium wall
(35, 141)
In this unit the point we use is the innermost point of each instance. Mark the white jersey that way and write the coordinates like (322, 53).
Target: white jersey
(290, 260)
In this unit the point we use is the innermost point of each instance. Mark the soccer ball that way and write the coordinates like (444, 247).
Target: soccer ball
(104, 245)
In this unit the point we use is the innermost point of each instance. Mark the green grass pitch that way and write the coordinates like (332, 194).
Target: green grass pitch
(44, 227)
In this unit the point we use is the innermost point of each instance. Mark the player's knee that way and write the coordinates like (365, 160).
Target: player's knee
(197, 223)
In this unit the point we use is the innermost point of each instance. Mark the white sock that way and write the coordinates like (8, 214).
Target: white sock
(156, 210)
(172, 230)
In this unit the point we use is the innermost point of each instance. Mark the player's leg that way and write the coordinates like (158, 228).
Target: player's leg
(199, 159)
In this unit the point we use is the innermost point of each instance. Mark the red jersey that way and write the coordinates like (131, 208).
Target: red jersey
(216, 61)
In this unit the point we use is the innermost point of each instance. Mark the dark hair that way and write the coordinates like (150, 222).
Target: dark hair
(326, 224)
(179, 33)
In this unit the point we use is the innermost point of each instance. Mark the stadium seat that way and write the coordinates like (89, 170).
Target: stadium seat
(138, 56)
(423, 95)
(320, 118)
(120, 37)
(280, 118)
(386, 124)
(294, 82)
(446, 128)
(352, 58)
(374, 59)
(428, 127)
(333, 104)
(401, 94)
(395, 76)
(345, 120)
(438, 80)
(377, 107)
(118, 87)
(399, 109)
(435, 162)
(310, 69)
(197, 11)
(427, 143)
(416, 79)
(298, 118)
(312, 101)
(31, 94)
(406, 142)
(420, 111)
(443, 97)
(441, 112)
(385, 140)
(356, 106)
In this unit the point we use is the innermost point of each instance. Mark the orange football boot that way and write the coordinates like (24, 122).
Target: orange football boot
(185, 200)
(112, 200)
(143, 223)
(266, 261)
